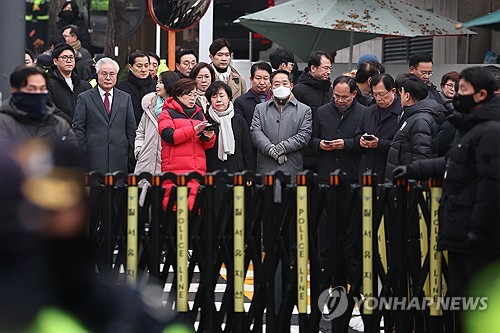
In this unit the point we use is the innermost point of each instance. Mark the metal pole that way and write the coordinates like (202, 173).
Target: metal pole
(158, 40)
(467, 49)
(351, 45)
(250, 45)
(171, 50)
(317, 40)
(11, 19)
(206, 33)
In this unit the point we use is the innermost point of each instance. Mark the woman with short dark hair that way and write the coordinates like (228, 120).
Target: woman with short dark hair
(182, 127)
(233, 151)
(204, 76)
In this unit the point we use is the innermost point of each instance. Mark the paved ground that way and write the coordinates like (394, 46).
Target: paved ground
(325, 326)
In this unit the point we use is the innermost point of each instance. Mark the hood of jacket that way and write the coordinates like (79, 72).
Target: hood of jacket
(307, 79)
(426, 105)
(148, 102)
(9, 108)
(487, 111)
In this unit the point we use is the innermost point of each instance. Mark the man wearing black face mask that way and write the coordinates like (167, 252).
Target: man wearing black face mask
(70, 14)
(469, 207)
(28, 114)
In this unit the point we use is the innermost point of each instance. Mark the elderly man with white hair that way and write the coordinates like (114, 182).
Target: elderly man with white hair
(104, 122)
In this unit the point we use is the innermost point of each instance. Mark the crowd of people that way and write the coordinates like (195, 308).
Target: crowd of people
(201, 117)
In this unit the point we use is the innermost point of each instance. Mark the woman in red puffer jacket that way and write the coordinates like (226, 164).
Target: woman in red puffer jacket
(184, 138)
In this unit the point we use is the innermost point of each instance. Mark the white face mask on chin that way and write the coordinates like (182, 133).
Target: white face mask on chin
(281, 92)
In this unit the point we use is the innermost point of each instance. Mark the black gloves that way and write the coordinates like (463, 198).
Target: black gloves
(400, 171)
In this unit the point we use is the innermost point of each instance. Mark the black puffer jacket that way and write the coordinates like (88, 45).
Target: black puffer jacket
(61, 94)
(313, 92)
(415, 138)
(434, 94)
(471, 187)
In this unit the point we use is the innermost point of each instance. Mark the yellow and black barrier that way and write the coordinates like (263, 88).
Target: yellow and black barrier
(132, 229)
(302, 243)
(239, 242)
(182, 244)
(268, 229)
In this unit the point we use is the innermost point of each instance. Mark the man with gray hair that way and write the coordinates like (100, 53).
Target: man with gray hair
(104, 122)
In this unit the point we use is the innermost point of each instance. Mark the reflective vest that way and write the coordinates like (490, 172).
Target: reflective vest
(38, 10)
(162, 66)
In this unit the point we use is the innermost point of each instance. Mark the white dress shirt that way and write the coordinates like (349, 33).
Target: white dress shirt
(110, 97)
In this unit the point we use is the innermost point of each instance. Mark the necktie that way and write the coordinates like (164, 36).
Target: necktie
(106, 104)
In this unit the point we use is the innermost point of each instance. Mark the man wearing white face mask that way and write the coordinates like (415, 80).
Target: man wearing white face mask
(281, 127)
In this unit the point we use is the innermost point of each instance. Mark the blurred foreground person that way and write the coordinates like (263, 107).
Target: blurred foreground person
(23, 281)
(65, 294)
(469, 207)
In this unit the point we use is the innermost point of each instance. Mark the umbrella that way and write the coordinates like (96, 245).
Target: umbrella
(303, 26)
(489, 21)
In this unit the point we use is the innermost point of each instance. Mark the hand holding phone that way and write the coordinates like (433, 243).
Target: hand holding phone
(210, 127)
(368, 137)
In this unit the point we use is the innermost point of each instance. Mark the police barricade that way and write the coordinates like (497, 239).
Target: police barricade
(319, 249)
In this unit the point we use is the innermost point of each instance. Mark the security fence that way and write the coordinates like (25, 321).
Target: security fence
(320, 250)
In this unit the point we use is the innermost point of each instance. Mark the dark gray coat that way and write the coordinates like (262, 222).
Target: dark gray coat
(108, 143)
(292, 125)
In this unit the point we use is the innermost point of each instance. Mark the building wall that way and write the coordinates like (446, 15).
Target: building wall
(449, 49)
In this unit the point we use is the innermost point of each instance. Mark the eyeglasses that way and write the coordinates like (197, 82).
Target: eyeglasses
(426, 73)
(450, 85)
(67, 58)
(380, 95)
(326, 68)
(104, 74)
